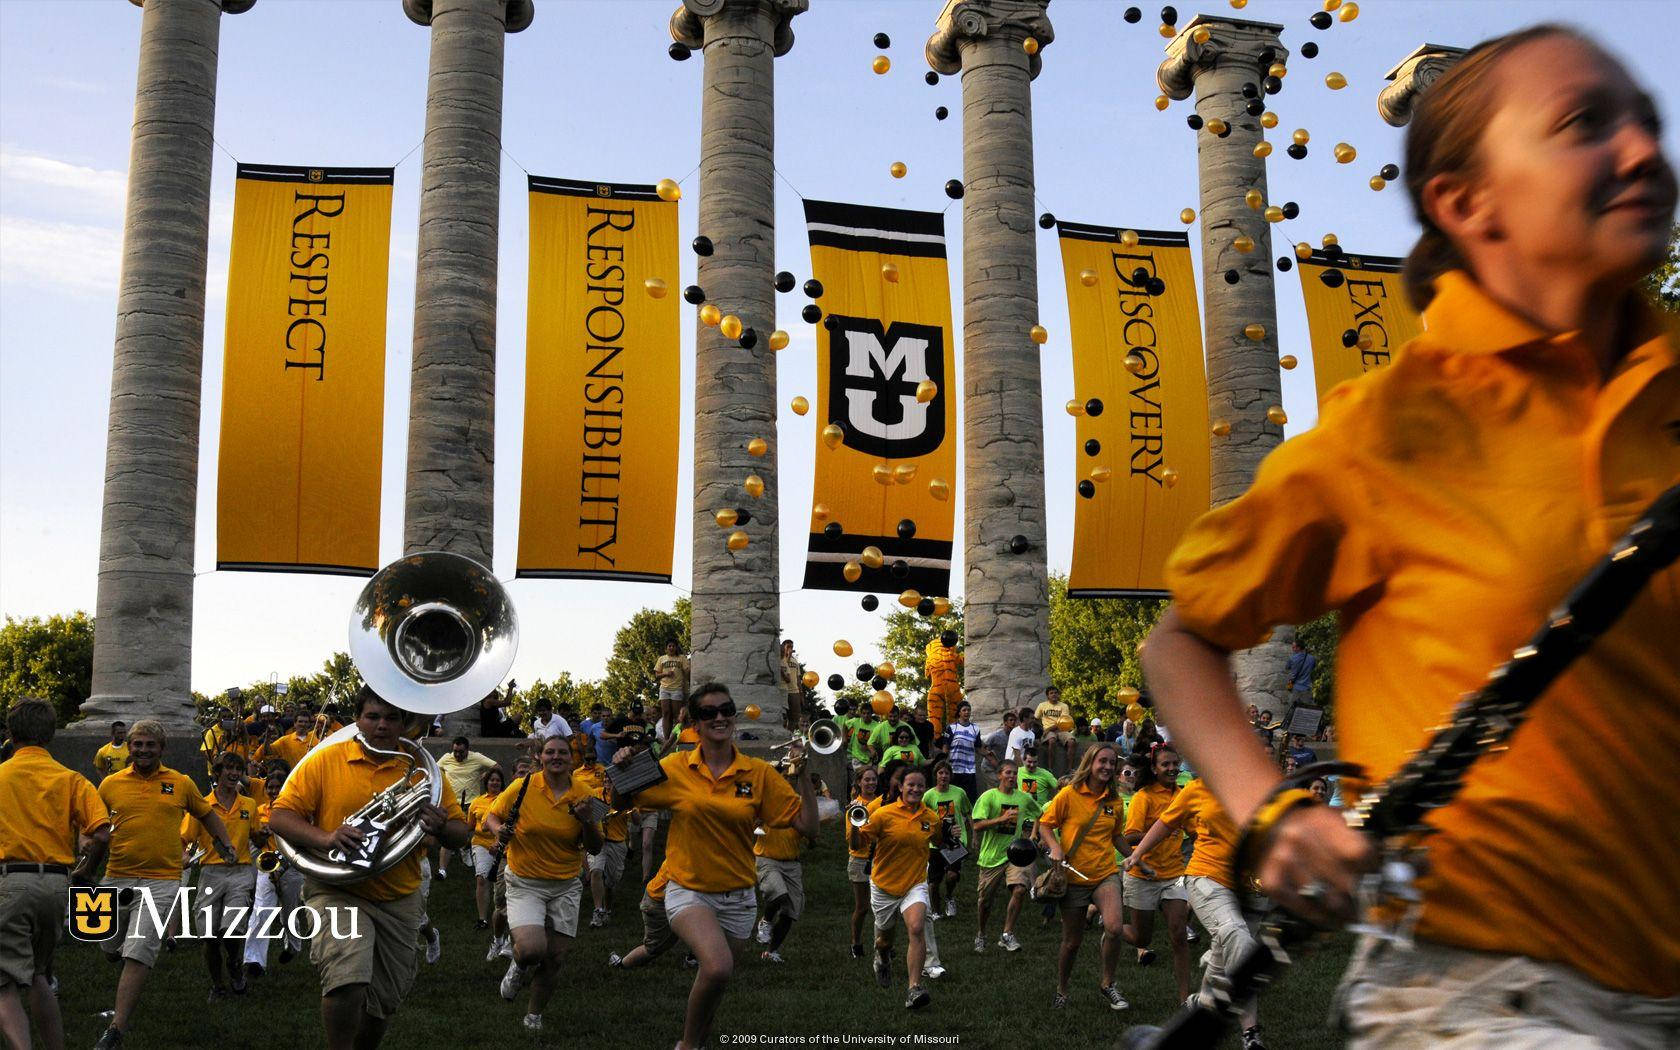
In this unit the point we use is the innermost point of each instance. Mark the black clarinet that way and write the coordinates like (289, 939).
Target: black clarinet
(511, 825)
(1393, 814)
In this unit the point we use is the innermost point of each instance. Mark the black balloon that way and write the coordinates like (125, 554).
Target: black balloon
(900, 569)
(742, 516)
(883, 41)
(1320, 20)
(1297, 151)
(1132, 15)
(749, 338)
(1087, 488)
(1333, 251)
(837, 682)
(1285, 263)
(1268, 55)
(1019, 544)
(870, 603)
(1390, 172)
(931, 77)
(1169, 15)
(1331, 278)
(865, 672)
(833, 530)
(680, 52)
(1254, 107)
(1232, 277)
(941, 113)
(1250, 91)
(1350, 337)
(1291, 209)
(954, 189)
(813, 288)
(1140, 275)
(1273, 85)
(693, 294)
(1309, 49)
(1046, 221)
(811, 314)
(830, 322)
(877, 682)
(906, 529)
(1094, 407)
(1195, 121)
(784, 281)
(702, 245)
(1156, 286)
(1092, 446)
(925, 607)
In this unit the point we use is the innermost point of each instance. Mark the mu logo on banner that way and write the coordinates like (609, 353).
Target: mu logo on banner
(873, 375)
(93, 912)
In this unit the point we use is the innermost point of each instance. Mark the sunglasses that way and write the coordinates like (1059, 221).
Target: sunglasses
(706, 712)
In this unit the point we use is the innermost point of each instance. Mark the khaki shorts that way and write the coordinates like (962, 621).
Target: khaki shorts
(609, 862)
(32, 907)
(1005, 874)
(1147, 894)
(1434, 996)
(498, 895)
(887, 908)
(549, 903)
(141, 938)
(1079, 895)
(221, 887)
(782, 878)
(735, 909)
(657, 936)
(483, 859)
(1056, 736)
(857, 869)
(1218, 908)
(383, 955)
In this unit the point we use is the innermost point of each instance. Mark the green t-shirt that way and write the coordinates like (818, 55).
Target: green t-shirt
(880, 737)
(909, 752)
(952, 802)
(994, 842)
(859, 745)
(1040, 784)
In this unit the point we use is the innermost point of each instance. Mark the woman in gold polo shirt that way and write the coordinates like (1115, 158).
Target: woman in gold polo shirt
(483, 846)
(857, 858)
(1082, 826)
(716, 796)
(544, 855)
(1445, 504)
(1157, 884)
(901, 832)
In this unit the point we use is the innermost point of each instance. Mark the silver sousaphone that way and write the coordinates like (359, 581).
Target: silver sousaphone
(431, 633)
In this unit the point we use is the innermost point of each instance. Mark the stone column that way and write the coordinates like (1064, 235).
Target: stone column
(1007, 609)
(1243, 376)
(1408, 80)
(737, 614)
(142, 653)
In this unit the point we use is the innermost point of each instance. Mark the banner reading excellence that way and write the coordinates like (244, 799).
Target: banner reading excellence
(598, 498)
(886, 329)
(1143, 437)
(303, 391)
(1366, 304)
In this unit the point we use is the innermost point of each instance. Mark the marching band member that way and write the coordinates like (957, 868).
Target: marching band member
(483, 849)
(781, 884)
(606, 866)
(657, 936)
(1445, 504)
(1087, 815)
(717, 795)
(1161, 887)
(901, 832)
(465, 769)
(1002, 815)
(363, 979)
(146, 801)
(113, 756)
(545, 848)
(952, 805)
(52, 816)
(281, 888)
(224, 884)
(857, 858)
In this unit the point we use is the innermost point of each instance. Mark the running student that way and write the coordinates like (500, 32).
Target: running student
(952, 804)
(1081, 827)
(657, 937)
(224, 884)
(1157, 884)
(857, 858)
(901, 832)
(1002, 815)
(963, 743)
(483, 849)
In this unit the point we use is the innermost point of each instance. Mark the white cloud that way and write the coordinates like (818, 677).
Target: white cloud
(36, 179)
(61, 255)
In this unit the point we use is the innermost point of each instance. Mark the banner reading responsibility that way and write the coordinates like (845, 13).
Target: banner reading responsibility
(303, 389)
(886, 409)
(1142, 467)
(598, 496)
(1357, 314)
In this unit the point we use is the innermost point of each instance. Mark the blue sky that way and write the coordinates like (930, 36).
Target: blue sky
(591, 94)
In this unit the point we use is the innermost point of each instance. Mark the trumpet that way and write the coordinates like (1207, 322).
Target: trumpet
(857, 815)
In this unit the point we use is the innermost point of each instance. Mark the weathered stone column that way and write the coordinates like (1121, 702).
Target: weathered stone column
(1007, 608)
(737, 613)
(142, 653)
(1410, 78)
(1243, 376)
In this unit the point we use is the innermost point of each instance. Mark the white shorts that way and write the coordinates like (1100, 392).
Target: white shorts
(609, 862)
(549, 903)
(483, 859)
(670, 694)
(736, 910)
(1147, 894)
(886, 907)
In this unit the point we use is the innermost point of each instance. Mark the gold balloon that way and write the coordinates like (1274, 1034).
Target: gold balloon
(926, 391)
(1278, 69)
(810, 679)
(1075, 407)
(738, 540)
(754, 485)
(1262, 149)
(1239, 4)
(1101, 474)
(1331, 5)
(757, 447)
(1254, 198)
(1303, 250)
(668, 190)
(881, 473)
(1129, 238)
(800, 406)
(904, 473)
(1169, 477)
(730, 326)
(1126, 695)
(1187, 216)
(1201, 35)
(1135, 364)
(1364, 342)
(871, 557)
(1162, 102)
(1065, 723)
(752, 711)
(1335, 81)
(655, 287)
(1301, 137)
(941, 606)
(832, 435)
(1273, 213)
(726, 518)
(1268, 119)
(842, 648)
(1255, 332)
(885, 668)
(1168, 31)
(710, 315)
(1217, 126)
(819, 511)
(889, 272)
(1277, 415)
(1030, 45)
(1328, 239)
(1038, 335)
(778, 339)
(939, 489)
(1345, 153)
(899, 169)
(909, 599)
(1287, 362)
(1243, 244)
(1087, 277)
(1350, 11)
(852, 571)
(881, 703)
(1221, 427)
(1378, 182)
(881, 64)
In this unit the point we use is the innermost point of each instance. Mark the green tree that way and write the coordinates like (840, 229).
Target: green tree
(1663, 283)
(50, 658)
(1093, 647)
(905, 643)
(339, 681)
(564, 689)
(636, 648)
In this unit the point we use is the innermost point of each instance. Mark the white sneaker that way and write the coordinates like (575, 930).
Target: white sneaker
(763, 932)
(951, 908)
(506, 950)
(1115, 1000)
(775, 957)
(511, 982)
(533, 1022)
(615, 960)
(933, 973)
(1008, 943)
(979, 944)
(434, 946)
(495, 949)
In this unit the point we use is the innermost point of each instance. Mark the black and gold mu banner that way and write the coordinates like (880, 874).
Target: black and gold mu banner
(1357, 314)
(1142, 468)
(886, 408)
(303, 390)
(598, 498)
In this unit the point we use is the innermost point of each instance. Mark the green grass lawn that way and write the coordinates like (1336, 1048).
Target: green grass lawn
(993, 1000)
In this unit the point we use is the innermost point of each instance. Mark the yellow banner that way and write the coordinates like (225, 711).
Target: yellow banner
(303, 391)
(885, 380)
(1357, 314)
(598, 498)
(1142, 468)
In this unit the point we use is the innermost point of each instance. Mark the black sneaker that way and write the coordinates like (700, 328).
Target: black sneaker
(253, 971)
(482, 924)
(918, 998)
(1251, 1038)
(1146, 957)
(287, 954)
(857, 951)
(111, 1040)
(237, 984)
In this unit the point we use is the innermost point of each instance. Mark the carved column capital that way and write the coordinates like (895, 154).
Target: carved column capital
(969, 20)
(688, 23)
(1411, 77)
(519, 13)
(1230, 40)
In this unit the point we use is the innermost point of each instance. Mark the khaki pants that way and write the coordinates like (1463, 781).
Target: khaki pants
(383, 955)
(1440, 997)
(1221, 913)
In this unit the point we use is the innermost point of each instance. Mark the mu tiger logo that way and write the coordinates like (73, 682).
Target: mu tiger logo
(872, 377)
(93, 912)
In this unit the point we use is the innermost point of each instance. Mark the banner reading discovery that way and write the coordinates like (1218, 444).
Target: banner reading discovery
(888, 478)
(602, 374)
(1354, 300)
(1142, 465)
(303, 394)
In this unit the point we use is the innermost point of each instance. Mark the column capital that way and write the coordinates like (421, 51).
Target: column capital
(964, 20)
(229, 7)
(1229, 40)
(1408, 80)
(519, 13)
(688, 23)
